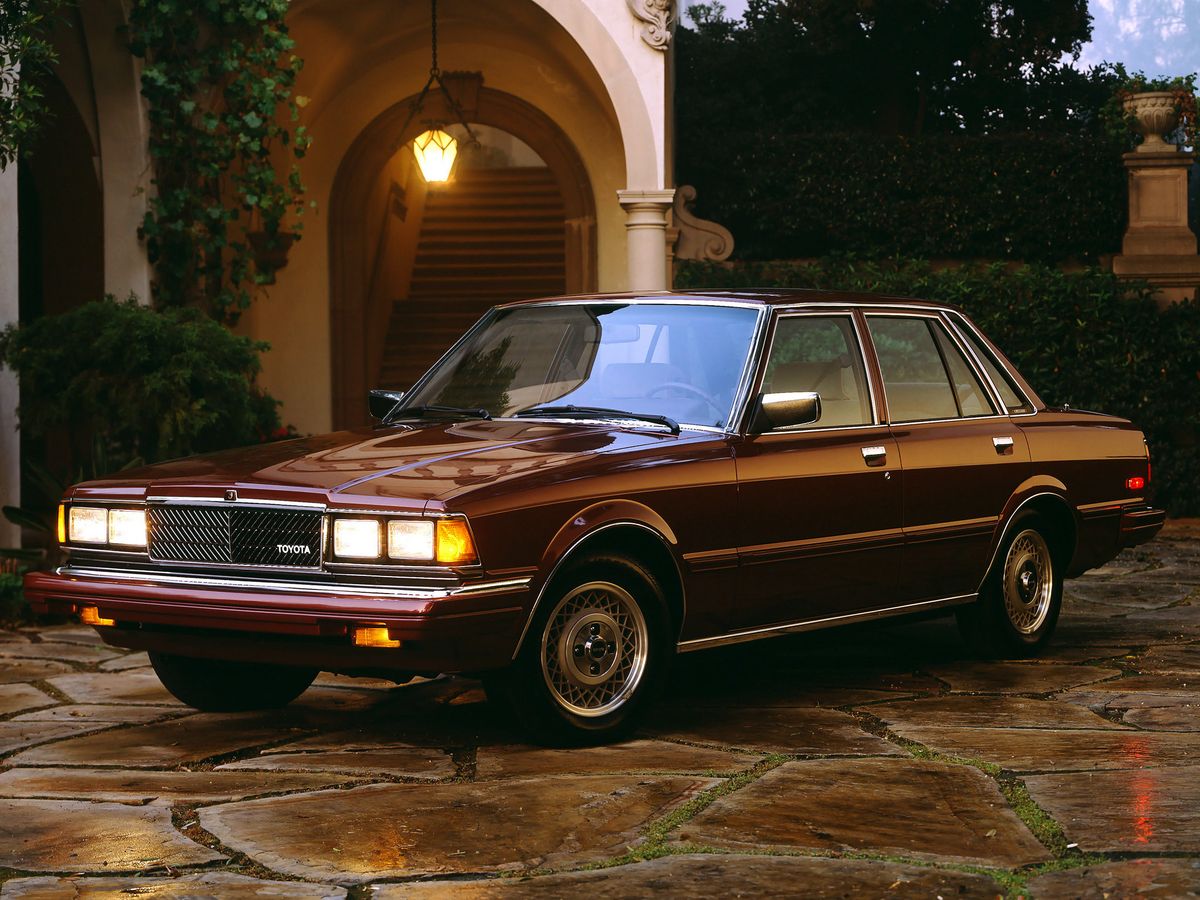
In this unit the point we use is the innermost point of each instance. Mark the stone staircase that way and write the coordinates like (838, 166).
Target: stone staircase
(490, 236)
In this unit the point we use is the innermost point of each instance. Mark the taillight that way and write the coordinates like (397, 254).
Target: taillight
(1136, 483)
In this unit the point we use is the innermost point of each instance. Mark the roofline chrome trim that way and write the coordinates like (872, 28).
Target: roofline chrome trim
(754, 634)
(648, 299)
(291, 587)
(567, 555)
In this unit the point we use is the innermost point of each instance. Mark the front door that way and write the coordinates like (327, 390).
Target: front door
(962, 458)
(819, 505)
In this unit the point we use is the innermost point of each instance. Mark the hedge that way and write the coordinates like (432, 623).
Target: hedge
(1029, 197)
(136, 383)
(1081, 338)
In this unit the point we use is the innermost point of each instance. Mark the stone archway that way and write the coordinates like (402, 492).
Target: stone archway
(353, 321)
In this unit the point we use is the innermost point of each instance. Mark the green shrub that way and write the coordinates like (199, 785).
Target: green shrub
(1027, 196)
(12, 597)
(136, 383)
(1081, 338)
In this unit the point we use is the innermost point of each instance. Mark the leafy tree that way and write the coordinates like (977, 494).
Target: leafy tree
(895, 67)
(26, 55)
(218, 76)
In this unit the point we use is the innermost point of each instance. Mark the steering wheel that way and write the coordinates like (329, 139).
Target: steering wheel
(690, 389)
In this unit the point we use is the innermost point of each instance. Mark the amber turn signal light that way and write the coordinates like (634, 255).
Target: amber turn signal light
(455, 547)
(373, 636)
(89, 615)
(62, 524)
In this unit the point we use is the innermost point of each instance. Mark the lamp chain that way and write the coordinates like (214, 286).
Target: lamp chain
(433, 69)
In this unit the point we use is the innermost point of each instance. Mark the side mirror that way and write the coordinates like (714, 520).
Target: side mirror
(381, 403)
(787, 410)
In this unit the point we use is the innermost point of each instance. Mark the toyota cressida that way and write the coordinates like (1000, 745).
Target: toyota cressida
(583, 487)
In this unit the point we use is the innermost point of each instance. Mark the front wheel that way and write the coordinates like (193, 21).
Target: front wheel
(215, 685)
(595, 654)
(1018, 606)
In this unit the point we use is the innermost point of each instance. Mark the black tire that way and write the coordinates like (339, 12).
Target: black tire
(214, 685)
(1019, 603)
(570, 644)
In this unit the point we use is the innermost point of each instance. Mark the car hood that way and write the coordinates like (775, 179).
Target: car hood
(411, 464)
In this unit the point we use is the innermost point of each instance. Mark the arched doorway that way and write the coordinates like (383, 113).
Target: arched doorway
(409, 267)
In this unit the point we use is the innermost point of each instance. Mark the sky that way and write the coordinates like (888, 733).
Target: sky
(1158, 37)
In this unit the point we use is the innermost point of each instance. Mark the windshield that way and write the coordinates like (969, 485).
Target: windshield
(679, 361)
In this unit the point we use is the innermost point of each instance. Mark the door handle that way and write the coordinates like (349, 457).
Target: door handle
(874, 456)
(1003, 444)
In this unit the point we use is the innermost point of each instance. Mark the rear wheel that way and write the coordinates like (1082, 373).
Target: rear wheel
(214, 685)
(1019, 604)
(595, 654)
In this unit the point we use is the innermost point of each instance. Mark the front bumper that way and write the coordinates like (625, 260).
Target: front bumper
(460, 628)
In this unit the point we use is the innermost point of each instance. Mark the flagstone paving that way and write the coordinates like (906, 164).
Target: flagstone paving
(718, 877)
(770, 768)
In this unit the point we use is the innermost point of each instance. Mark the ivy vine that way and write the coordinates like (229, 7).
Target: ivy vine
(224, 138)
(26, 55)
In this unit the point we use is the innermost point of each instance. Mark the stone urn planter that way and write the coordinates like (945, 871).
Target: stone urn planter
(1157, 113)
(271, 251)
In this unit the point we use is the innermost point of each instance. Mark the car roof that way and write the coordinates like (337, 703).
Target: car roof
(769, 297)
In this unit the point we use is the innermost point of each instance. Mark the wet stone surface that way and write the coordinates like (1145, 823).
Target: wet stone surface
(717, 877)
(414, 829)
(882, 740)
(1153, 810)
(894, 807)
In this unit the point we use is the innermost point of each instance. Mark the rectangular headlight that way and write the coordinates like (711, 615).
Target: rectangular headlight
(88, 525)
(410, 539)
(127, 527)
(357, 538)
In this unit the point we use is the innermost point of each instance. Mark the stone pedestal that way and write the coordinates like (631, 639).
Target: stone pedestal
(646, 233)
(1158, 246)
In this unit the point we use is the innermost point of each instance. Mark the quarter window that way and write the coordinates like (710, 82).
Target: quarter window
(821, 354)
(1004, 383)
(925, 375)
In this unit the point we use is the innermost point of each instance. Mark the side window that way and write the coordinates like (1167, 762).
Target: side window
(924, 373)
(821, 353)
(1012, 397)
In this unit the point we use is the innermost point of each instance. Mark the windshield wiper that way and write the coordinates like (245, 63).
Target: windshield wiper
(598, 412)
(434, 409)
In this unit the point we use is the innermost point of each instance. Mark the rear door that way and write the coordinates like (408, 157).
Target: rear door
(819, 515)
(962, 455)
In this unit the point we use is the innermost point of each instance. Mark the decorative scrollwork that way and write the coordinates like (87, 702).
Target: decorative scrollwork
(698, 238)
(656, 17)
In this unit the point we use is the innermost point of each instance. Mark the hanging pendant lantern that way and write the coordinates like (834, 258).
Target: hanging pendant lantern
(435, 151)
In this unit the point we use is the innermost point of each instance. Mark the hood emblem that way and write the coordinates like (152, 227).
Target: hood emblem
(231, 496)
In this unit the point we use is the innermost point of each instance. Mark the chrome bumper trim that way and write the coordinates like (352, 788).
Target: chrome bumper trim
(290, 587)
(738, 637)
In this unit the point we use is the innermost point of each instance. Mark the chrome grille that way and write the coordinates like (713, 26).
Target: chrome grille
(232, 536)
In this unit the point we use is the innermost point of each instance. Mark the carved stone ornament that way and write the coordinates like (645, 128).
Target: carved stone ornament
(656, 18)
(698, 238)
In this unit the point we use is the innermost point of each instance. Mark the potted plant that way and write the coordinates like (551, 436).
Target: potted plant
(1161, 106)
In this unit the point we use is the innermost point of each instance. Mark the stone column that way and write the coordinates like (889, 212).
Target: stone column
(646, 234)
(10, 445)
(1158, 246)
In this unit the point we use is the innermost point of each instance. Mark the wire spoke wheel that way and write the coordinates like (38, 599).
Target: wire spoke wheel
(594, 649)
(1028, 582)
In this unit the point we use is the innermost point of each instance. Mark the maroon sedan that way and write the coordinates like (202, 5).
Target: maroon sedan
(583, 487)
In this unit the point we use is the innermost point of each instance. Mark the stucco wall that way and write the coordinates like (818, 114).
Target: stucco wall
(581, 62)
